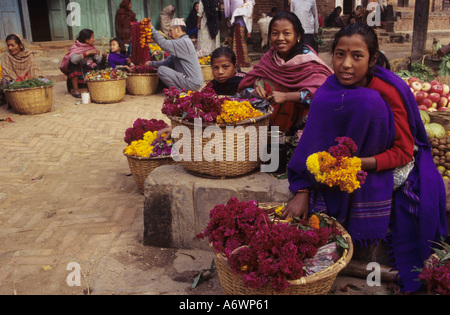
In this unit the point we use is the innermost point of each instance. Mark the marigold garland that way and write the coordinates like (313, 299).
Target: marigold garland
(337, 168)
(235, 111)
(146, 32)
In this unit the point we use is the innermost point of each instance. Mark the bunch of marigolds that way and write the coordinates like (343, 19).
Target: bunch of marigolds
(236, 111)
(146, 32)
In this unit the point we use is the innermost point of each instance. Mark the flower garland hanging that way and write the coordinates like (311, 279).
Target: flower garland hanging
(337, 168)
(146, 32)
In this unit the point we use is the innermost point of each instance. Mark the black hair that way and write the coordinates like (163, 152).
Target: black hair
(123, 49)
(15, 38)
(369, 35)
(226, 52)
(84, 35)
(298, 29)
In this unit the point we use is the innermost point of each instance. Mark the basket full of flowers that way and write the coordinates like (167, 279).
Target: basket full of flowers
(142, 80)
(106, 86)
(205, 64)
(256, 253)
(233, 151)
(29, 96)
(146, 150)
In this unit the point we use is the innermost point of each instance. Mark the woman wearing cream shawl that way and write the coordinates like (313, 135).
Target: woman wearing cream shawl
(18, 60)
(166, 17)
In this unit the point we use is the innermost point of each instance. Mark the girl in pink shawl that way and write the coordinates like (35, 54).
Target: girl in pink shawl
(288, 74)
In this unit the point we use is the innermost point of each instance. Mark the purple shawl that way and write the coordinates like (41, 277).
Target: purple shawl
(116, 59)
(361, 114)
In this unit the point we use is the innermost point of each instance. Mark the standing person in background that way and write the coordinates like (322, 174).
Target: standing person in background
(125, 19)
(166, 17)
(240, 14)
(192, 21)
(306, 10)
(208, 26)
(181, 69)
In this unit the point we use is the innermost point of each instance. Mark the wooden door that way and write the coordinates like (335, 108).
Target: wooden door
(95, 15)
(59, 29)
(10, 21)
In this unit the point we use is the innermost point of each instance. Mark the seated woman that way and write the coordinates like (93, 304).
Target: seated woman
(18, 61)
(403, 198)
(227, 76)
(288, 74)
(82, 57)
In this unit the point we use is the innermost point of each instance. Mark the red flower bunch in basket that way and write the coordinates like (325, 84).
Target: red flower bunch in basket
(141, 126)
(262, 250)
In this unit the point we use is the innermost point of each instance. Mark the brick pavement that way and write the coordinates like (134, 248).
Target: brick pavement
(66, 196)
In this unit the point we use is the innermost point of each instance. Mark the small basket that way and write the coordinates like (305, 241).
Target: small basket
(224, 168)
(107, 92)
(207, 73)
(441, 117)
(318, 283)
(142, 83)
(31, 101)
(141, 167)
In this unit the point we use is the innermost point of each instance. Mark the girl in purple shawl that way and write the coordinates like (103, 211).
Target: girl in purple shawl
(117, 57)
(409, 215)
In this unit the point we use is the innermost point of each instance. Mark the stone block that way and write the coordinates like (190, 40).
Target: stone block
(177, 203)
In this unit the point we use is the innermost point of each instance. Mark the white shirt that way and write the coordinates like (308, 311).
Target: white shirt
(306, 10)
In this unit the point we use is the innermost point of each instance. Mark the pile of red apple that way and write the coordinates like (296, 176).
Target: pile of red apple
(430, 96)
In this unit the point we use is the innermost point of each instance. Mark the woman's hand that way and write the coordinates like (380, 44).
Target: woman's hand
(166, 132)
(260, 91)
(298, 207)
(279, 97)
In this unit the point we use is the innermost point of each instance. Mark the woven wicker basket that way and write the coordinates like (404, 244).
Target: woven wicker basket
(444, 80)
(207, 73)
(224, 168)
(31, 101)
(142, 83)
(107, 92)
(141, 167)
(319, 283)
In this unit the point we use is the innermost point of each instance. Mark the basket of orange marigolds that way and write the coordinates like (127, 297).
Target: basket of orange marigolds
(106, 86)
(205, 64)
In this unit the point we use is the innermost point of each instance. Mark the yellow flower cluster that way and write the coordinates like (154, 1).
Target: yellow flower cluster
(235, 111)
(154, 47)
(142, 147)
(146, 32)
(340, 172)
(205, 60)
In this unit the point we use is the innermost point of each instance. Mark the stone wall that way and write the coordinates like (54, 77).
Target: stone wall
(177, 204)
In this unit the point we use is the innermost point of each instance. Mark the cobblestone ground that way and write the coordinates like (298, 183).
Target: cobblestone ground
(67, 196)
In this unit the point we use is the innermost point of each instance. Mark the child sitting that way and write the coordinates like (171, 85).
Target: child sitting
(226, 73)
(118, 55)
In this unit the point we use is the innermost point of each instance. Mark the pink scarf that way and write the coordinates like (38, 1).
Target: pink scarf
(305, 71)
(77, 48)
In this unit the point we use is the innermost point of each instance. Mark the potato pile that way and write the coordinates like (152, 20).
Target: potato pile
(441, 155)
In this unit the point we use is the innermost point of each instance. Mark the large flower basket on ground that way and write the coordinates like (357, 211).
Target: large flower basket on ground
(142, 81)
(107, 86)
(248, 263)
(146, 151)
(235, 154)
(30, 96)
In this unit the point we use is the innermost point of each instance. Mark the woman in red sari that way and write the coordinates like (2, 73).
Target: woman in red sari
(288, 74)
